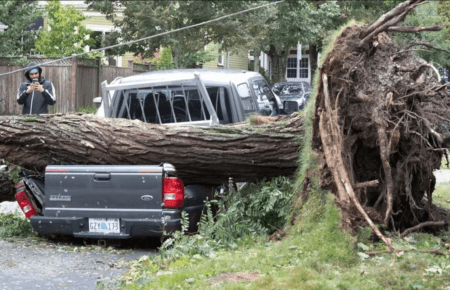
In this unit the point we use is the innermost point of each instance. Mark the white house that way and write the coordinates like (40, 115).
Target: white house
(298, 66)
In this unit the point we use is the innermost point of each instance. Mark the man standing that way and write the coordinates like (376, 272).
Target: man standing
(36, 93)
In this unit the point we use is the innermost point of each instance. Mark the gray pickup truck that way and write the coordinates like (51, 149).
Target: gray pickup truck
(110, 201)
(124, 201)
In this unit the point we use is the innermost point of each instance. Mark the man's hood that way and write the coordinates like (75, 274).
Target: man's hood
(33, 65)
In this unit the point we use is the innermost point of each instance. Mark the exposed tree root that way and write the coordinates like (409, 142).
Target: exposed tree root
(420, 226)
(381, 123)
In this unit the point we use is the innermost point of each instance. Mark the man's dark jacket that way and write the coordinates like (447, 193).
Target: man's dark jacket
(36, 102)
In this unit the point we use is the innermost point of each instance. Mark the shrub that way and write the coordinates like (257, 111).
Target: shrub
(255, 211)
(12, 225)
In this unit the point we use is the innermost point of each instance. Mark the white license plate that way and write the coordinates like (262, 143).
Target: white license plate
(101, 225)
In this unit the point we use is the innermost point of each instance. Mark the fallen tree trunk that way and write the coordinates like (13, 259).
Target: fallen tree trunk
(200, 155)
(387, 115)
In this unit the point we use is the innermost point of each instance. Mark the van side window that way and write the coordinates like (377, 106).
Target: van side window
(262, 90)
(248, 104)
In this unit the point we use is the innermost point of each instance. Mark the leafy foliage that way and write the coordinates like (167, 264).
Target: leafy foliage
(145, 18)
(11, 173)
(67, 34)
(12, 225)
(293, 22)
(366, 11)
(19, 16)
(428, 14)
(255, 211)
(166, 61)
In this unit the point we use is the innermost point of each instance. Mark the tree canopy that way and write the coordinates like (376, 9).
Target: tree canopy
(67, 35)
(297, 21)
(145, 18)
(427, 15)
(19, 37)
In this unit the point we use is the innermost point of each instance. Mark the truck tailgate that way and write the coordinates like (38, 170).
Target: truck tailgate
(103, 191)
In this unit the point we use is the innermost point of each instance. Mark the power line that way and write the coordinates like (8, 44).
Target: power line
(148, 37)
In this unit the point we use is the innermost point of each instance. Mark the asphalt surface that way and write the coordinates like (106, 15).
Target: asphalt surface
(61, 265)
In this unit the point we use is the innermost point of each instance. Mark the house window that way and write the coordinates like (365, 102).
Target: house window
(291, 67)
(304, 68)
(220, 60)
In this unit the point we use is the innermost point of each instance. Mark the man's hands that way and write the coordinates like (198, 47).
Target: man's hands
(35, 87)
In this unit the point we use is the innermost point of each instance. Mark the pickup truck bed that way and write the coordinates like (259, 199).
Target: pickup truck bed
(111, 201)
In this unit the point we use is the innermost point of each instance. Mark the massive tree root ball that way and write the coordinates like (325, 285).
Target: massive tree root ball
(379, 127)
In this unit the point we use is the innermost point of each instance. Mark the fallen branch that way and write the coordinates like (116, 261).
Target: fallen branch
(388, 16)
(426, 44)
(365, 184)
(325, 91)
(393, 21)
(436, 252)
(419, 226)
(413, 28)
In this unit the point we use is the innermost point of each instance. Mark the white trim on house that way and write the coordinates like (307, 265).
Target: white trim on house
(80, 5)
(3, 27)
(98, 27)
(299, 70)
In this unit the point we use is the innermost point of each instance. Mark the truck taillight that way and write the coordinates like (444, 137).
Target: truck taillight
(25, 204)
(173, 192)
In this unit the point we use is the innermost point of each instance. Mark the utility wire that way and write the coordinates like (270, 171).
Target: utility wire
(146, 38)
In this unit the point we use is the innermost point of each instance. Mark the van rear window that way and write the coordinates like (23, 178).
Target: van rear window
(171, 104)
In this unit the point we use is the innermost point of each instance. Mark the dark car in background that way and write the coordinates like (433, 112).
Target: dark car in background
(293, 95)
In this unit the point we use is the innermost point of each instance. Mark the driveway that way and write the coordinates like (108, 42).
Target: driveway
(29, 263)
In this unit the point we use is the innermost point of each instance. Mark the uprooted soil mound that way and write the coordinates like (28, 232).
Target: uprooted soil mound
(389, 116)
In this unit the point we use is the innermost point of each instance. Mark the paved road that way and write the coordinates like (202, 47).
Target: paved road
(26, 265)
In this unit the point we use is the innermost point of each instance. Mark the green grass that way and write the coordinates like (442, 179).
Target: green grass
(87, 110)
(444, 164)
(441, 195)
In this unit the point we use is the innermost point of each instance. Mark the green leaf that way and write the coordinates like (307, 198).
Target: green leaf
(363, 247)
(363, 256)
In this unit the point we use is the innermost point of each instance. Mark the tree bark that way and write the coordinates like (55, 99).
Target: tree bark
(200, 155)
(278, 60)
(256, 54)
(414, 28)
